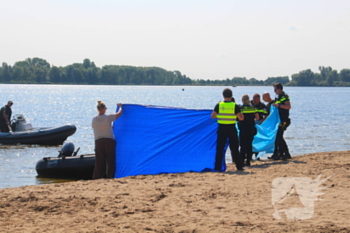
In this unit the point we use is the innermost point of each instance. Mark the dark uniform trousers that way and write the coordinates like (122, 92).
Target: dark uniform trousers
(280, 144)
(4, 127)
(246, 136)
(105, 158)
(227, 132)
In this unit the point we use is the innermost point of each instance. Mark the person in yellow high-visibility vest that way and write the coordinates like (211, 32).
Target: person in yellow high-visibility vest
(226, 113)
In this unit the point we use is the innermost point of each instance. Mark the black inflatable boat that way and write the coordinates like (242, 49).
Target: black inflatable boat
(67, 165)
(24, 133)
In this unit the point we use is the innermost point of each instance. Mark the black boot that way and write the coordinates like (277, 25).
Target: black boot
(240, 166)
(249, 158)
(286, 156)
(275, 156)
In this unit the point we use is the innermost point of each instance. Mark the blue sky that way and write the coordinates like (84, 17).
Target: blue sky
(202, 39)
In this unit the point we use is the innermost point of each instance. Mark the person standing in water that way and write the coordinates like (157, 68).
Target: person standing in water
(105, 143)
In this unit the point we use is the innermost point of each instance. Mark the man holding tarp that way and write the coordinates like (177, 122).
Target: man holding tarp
(226, 113)
(282, 102)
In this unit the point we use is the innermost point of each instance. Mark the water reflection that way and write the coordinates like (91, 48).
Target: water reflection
(312, 129)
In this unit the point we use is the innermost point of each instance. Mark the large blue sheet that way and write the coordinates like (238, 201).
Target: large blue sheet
(153, 140)
(264, 140)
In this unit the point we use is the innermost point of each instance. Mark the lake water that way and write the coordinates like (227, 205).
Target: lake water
(320, 117)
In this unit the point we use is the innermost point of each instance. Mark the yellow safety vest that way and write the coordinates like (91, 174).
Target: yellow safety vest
(227, 113)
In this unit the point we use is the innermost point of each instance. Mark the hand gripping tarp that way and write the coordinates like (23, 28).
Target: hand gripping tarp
(153, 140)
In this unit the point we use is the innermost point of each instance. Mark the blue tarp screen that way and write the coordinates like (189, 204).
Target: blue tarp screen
(264, 140)
(153, 140)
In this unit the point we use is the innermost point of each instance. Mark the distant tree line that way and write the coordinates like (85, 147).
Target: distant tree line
(326, 77)
(238, 81)
(39, 71)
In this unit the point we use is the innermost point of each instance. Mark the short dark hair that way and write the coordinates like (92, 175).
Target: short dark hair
(256, 95)
(278, 86)
(227, 93)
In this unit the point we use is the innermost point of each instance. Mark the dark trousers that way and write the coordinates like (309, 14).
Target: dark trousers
(280, 144)
(227, 132)
(246, 136)
(4, 127)
(105, 158)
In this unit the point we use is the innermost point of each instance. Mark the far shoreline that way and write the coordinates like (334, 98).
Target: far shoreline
(165, 85)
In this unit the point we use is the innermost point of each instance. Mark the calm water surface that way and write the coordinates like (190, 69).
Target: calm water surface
(319, 116)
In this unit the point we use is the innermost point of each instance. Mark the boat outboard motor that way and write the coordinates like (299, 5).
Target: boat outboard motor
(19, 124)
(13, 126)
(67, 149)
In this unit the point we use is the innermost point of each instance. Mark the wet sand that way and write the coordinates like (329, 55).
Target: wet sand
(232, 201)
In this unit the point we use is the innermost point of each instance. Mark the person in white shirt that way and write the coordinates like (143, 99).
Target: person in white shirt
(104, 141)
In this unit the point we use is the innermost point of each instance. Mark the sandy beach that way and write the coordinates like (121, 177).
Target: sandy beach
(232, 201)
